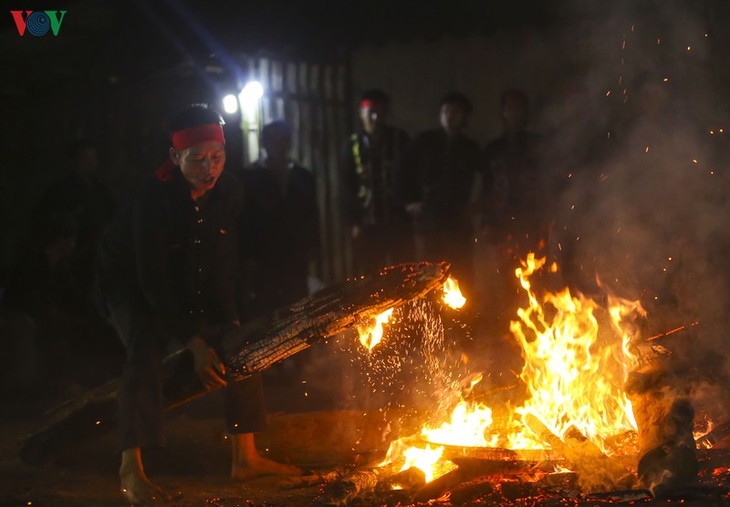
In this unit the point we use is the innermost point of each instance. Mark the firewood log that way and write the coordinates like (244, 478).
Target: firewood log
(252, 348)
(466, 492)
(711, 438)
(485, 467)
(351, 486)
(438, 487)
(596, 471)
(409, 479)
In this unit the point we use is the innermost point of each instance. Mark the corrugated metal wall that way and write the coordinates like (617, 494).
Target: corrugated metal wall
(313, 97)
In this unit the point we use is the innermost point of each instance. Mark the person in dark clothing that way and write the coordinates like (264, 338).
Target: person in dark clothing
(166, 273)
(43, 291)
(82, 195)
(279, 224)
(374, 215)
(515, 208)
(514, 202)
(438, 175)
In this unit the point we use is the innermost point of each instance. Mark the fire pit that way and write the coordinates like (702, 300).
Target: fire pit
(591, 420)
(598, 425)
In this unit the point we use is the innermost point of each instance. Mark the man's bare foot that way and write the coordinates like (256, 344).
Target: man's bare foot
(259, 466)
(139, 490)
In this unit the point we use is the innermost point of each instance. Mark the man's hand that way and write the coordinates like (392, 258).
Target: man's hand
(208, 366)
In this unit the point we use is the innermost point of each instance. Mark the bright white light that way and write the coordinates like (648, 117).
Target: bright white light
(251, 94)
(230, 104)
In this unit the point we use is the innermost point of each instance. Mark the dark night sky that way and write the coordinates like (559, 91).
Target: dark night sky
(133, 38)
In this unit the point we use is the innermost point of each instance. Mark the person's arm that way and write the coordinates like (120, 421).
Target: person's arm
(151, 222)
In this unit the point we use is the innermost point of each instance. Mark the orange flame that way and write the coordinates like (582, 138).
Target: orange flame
(372, 333)
(467, 426)
(452, 293)
(698, 434)
(425, 458)
(574, 370)
(575, 377)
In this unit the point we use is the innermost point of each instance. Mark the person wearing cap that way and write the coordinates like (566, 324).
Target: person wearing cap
(374, 215)
(166, 274)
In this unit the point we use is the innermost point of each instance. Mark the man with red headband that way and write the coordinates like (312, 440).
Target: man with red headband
(166, 274)
(374, 214)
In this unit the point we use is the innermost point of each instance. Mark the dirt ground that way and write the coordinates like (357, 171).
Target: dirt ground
(317, 432)
(194, 465)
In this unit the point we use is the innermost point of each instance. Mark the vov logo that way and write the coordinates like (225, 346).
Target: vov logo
(38, 23)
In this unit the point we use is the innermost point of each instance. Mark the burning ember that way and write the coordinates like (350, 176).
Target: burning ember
(576, 358)
(452, 294)
(371, 331)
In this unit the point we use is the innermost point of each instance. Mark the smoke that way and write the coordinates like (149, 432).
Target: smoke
(635, 150)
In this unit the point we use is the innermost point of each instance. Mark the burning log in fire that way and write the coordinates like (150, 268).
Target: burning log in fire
(577, 355)
(334, 310)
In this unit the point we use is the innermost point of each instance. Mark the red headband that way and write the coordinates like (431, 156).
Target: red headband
(186, 138)
(367, 103)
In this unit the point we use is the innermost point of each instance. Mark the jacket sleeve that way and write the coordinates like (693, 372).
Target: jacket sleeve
(150, 243)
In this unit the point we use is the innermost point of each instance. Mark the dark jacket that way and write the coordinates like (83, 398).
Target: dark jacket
(279, 231)
(177, 255)
(440, 173)
(520, 193)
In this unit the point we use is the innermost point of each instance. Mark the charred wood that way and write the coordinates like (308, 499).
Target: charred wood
(308, 480)
(483, 467)
(711, 438)
(252, 348)
(514, 490)
(560, 480)
(438, 487)
(466, 492)
(595, 470)
(331, 311)
(410, 479)
(349, 487)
